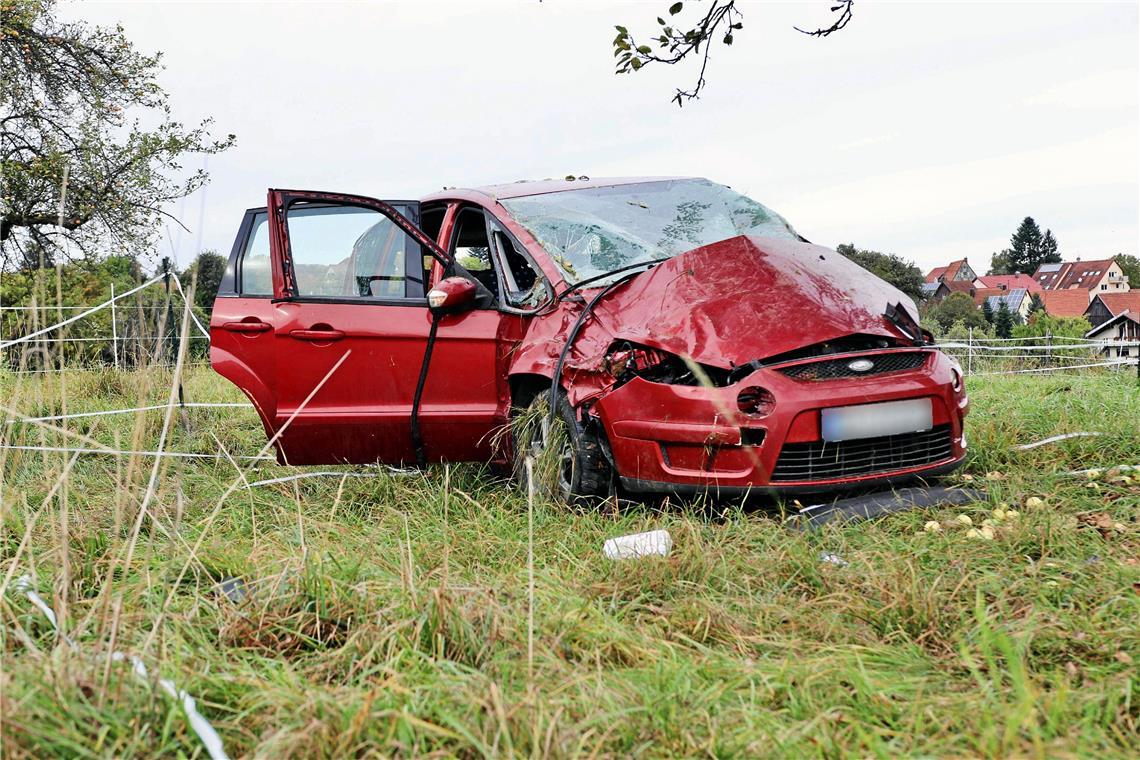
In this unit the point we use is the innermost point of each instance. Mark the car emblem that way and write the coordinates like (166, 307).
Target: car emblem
(861, 365)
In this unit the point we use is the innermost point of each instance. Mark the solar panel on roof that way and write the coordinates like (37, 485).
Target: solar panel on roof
(1050, 267)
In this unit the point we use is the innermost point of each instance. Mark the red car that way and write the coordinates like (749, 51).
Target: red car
(688, 338)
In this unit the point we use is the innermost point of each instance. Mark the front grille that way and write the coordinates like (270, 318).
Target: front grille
(829, 460)
(831, 369)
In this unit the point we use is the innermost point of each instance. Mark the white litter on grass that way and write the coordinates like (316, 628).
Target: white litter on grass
(655, 542)
(202, 727)
(23, 585)
(1054, 439)
(833, 559)
(1118, 468)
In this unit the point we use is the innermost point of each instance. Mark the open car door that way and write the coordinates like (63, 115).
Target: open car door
(341, 342)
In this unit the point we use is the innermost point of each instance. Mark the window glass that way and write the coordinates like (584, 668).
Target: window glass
(524, 286)
(593, 231)
(472, 250)
(349, 252)
(256, 275)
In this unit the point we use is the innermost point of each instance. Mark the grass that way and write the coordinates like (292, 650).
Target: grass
(388, 616)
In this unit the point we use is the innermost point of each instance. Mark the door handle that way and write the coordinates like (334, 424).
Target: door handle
(247, 327)
(317, 335)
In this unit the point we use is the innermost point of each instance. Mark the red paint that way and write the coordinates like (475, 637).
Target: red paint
(741, 300)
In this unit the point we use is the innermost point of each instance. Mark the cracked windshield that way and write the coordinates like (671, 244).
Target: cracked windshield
(593, 231)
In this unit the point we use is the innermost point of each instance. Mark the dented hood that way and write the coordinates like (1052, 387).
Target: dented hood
(748, 298)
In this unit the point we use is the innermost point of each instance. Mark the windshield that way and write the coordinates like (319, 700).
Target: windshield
(593, 231)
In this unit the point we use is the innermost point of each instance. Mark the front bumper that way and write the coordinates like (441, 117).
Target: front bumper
(686, 439)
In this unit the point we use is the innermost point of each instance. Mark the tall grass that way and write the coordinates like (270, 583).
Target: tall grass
(389, 615)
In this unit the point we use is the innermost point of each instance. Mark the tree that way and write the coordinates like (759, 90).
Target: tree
(1028, 249)
(957, 307)
(1035, 304)
(896, 270)
(988, 311)
(1130, 265)
(675, 43)
(78, 163)
(209, 268)
(1003, 321)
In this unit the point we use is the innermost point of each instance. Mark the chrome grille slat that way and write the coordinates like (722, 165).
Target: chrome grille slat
(823, 460)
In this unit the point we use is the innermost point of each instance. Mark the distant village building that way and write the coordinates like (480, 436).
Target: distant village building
(1091, 277)
(1010, 282)
(955, 277)
(1121, 336)
(1064, 303)
(1106, 306)
(1017, 300)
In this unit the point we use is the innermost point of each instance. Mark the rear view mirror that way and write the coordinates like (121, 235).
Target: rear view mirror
(452, 295)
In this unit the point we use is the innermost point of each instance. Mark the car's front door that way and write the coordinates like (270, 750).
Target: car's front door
(350, 326)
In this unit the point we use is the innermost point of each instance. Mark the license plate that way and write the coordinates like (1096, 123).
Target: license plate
(844, 423)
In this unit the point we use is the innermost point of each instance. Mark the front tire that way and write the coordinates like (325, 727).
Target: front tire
(568, 461)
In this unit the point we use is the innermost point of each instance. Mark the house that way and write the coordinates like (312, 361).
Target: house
(956, 272)
(1011, 281)
(1105, 306)
(1016, 300)
(935, 291)
(1120, 336)
(1065, 303)
(1092, 277)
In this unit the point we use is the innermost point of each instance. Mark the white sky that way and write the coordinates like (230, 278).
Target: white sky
(927, 129)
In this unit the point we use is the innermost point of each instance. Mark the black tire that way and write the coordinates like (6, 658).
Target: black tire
(580, 472)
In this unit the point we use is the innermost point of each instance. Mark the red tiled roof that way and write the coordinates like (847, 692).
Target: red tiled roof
(1065, 303)
(1073, 274)
(933, 275)
(1011, 281)
(981, 294)
(1117, 303)
(959, 286)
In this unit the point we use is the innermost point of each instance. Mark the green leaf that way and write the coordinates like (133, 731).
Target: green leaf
(675, 8)
(635, 63)
(728, 38)
(622, 30)
(644, 49)
(661, 21)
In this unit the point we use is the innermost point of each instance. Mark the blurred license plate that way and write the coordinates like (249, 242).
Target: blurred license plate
(844, 423)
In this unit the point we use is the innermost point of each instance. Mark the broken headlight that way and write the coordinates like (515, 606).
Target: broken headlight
(626, 361)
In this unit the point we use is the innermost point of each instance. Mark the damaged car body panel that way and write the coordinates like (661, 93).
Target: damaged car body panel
(694, 338)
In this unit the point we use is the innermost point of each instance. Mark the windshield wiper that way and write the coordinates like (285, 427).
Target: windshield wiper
(612, 272)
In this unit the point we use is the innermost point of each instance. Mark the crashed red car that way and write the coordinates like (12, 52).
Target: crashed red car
(688, 338)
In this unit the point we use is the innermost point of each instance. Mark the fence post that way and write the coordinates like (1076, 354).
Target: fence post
(1049, 348)
(114, 329)
(970, 352)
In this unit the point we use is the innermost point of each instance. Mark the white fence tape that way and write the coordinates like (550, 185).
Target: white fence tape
(181, 292)
(131, 410)
(1115, 363)
(1054, 439)
(1090, 346)
(77, 317)
(198, 723)
(129, 453)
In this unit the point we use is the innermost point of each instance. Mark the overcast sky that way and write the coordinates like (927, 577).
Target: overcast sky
(927, 129)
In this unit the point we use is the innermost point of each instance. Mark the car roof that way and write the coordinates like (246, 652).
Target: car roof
(525, 187)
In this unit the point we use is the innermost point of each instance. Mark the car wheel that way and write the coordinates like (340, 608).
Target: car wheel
(568, 462)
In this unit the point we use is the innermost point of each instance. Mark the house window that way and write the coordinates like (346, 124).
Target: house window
(1104, 287)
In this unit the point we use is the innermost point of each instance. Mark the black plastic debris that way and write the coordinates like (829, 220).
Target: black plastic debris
(234, 589)
(869, 506)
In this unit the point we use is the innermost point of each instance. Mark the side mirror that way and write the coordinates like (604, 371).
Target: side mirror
(452, 295)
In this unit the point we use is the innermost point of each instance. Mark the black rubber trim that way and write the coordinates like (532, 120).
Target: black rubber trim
(683, 489)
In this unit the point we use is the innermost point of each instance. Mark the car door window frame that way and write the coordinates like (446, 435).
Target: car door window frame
(495, 225)
(284, 200)
(492, 224)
